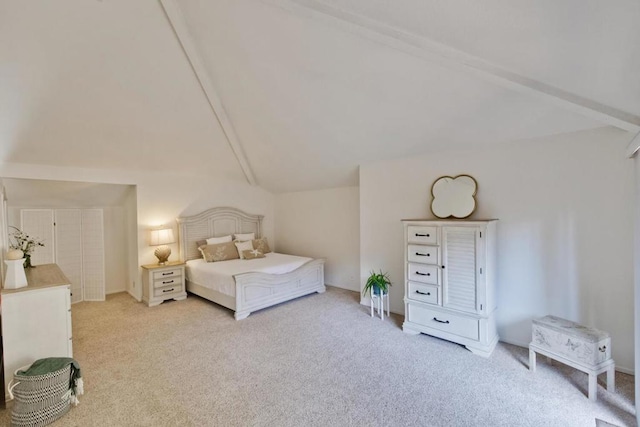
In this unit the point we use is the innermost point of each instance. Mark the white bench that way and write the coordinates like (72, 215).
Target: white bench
(586, 349)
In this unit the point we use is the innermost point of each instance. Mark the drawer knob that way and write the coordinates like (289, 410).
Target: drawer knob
(423, 274)
(440, 321)
(167, 282)
(423, 293)
(168, 274)
(419, 254)
(167, 290)
(423, 235)
(603, 348)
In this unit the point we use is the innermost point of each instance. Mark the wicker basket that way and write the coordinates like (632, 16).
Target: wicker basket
(40, 399)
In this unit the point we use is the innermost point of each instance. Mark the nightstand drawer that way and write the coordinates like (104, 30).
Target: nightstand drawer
(168, 273)
(168, 291)
(173, 281)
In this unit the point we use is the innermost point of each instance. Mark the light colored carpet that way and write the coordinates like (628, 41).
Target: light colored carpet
(317, 361)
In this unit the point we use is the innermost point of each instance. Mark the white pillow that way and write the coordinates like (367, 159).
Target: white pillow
(216, 240)
(244, 246)
(244, 237)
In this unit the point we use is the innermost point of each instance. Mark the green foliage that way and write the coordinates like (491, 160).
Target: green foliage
(377, 281)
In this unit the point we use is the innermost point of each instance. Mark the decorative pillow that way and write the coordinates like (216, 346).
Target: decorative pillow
(219, 252)
(244, 246)
(216, 240)
(200, 243)
(243, 237)
(253, 254)
(262, 245)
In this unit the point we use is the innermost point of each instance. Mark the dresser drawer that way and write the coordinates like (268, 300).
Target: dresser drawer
(424, 293)
(168, 291)
(163, 274)
(423, 273)
(422, 234)
(458, 325)
(422, 254)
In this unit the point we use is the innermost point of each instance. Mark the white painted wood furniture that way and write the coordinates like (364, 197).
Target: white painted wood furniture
(450, 281)
(163, 282)
(36, 319)
(377, 303)
(586, 349)
(254, 291)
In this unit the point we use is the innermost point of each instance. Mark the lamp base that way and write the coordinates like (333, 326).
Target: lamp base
(162, 253)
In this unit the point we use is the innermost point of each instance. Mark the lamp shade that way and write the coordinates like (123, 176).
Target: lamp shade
(162, 236)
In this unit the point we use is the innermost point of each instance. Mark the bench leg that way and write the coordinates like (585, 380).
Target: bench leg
(532, 360)
(611, 379)
(593, 387)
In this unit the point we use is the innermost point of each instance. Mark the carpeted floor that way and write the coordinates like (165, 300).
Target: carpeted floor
(317, 361)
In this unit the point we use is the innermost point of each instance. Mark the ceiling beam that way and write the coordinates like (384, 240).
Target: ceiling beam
(181, 31)
(633, 146)
(446, 56)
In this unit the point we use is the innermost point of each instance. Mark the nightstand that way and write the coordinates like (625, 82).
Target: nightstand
(163, 282)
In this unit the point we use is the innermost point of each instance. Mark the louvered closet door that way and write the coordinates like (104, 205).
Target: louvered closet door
(69, 248)
(38, 223)
(93, 255)
(459, 273)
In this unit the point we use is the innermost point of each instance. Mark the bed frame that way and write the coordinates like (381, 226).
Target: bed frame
(254, 291)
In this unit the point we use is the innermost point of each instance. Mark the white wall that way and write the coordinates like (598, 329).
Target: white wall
(322, 224)
(565, 206)
(636, 269)
(161, 198)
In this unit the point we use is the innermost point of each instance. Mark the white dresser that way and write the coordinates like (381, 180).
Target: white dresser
(36, 319)
(450, 281)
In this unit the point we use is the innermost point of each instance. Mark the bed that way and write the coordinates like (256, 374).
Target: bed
(255, 284)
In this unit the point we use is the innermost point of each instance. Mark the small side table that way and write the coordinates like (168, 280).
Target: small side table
(161, 282)
(377, 301)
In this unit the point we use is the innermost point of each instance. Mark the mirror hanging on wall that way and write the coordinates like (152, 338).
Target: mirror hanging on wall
(454, 196)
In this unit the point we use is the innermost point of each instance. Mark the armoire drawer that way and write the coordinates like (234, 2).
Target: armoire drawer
(422, 292)
(423, 273)
(422, 234)
(447, 322)
(422, 254)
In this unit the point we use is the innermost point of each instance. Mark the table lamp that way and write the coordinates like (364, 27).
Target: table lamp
(161, 238)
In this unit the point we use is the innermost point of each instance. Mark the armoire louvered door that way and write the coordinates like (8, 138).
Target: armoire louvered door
(459, 273)
(75, 241)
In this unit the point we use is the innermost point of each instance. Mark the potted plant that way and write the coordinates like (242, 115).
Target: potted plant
(19, 240)
(377, 283)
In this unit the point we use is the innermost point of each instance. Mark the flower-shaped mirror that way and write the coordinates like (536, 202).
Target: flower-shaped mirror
(454, 196)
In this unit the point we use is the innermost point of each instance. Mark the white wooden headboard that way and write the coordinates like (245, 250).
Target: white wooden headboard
(214, 222)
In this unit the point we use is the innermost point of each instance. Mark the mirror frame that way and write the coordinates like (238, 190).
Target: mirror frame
(473, 196)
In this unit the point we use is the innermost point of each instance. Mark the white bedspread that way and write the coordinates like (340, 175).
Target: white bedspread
(219, 275)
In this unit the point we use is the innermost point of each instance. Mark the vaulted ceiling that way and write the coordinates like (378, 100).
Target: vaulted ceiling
(295, 94)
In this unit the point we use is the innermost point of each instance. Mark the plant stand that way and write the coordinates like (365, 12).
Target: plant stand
(377, 301)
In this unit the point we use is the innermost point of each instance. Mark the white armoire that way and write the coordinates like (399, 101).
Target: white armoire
(74, 240)
(450, 281)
